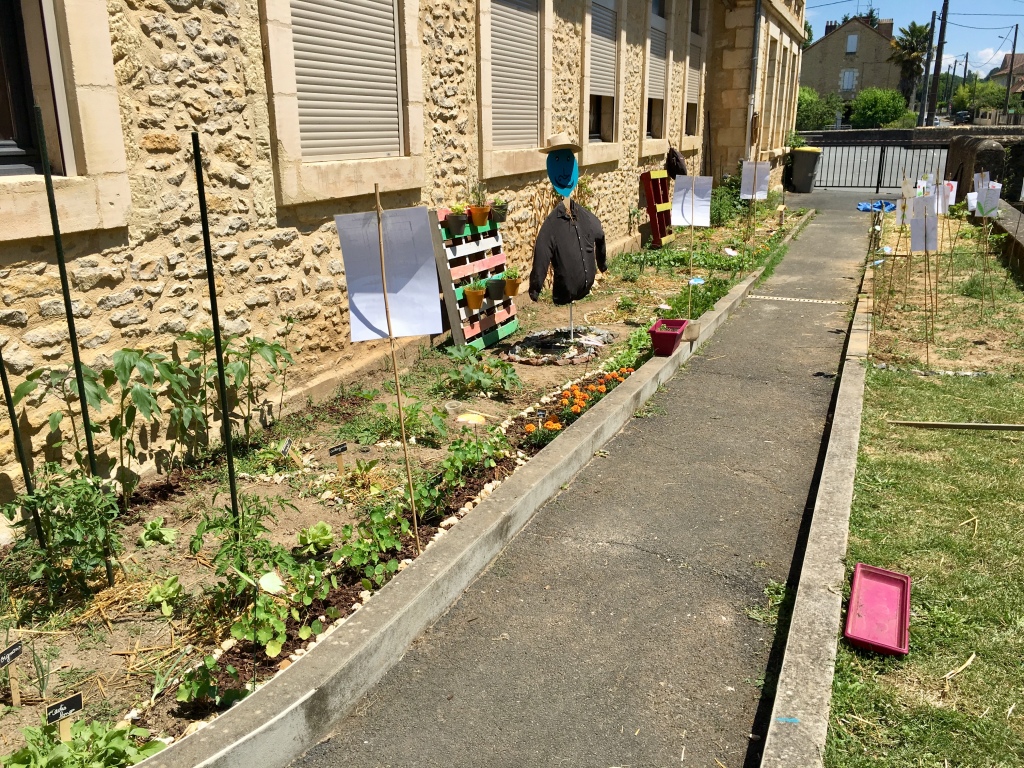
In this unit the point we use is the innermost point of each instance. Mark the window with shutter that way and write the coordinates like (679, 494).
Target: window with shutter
(348, 75)
(604, 36)
(693, 76)
(657, 69)
(851, 43)
(515, 73)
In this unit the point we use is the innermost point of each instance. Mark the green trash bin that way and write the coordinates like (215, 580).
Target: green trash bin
(805, 167)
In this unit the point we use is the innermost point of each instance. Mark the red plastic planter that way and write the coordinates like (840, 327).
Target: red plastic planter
(878, 616)
(665, 336)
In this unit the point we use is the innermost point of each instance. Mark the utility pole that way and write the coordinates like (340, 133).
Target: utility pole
(1009, 77)
(967, 57)
(925, 101)
(951, 75)
(933, 99)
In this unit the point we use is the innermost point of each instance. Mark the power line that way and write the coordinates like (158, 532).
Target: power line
(967, 26)
(838, 2)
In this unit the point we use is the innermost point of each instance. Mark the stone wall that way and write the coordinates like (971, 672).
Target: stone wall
(184, 65)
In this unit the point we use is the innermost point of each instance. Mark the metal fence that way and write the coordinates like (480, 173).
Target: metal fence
(878, 164)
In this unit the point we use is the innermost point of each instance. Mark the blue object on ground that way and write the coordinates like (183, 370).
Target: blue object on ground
(879, 205)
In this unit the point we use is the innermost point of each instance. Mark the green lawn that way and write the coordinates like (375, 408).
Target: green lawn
(946, 507)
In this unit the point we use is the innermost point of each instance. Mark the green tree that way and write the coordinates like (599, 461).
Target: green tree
(808, 34)
(909, 51)
(874, 107)
(814, 113)
(979, 94)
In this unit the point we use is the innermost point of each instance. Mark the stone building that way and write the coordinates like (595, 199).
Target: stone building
(301, 107)
(849, 58)
(753, 72)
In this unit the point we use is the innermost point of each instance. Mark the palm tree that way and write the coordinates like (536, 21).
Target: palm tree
(909, 51)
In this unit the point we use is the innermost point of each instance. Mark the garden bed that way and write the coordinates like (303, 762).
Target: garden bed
(127, 656)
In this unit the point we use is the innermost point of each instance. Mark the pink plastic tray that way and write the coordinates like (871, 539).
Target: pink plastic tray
(878, 616)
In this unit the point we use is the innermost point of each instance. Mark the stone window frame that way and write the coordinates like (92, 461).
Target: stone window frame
(650, 147)
(595, 153)
(95, 194)
(496, 162)
(301, 181)
(688, 143)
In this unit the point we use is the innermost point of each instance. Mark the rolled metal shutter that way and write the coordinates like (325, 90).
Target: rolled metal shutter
(604, 35)
(657, 63)
(515, 73)
(347, 72)
(693, 76)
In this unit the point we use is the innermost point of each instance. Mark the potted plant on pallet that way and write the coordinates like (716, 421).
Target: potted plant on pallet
(474, 293)
(499, 210)
(456, 220)
(511, 282)
(496, 288)
(479, 210)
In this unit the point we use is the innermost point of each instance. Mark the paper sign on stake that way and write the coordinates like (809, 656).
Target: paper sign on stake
(907, 188)
(972, 201)
(696, 201)
(947, 196)
(412, 273)
(758, 173)
(902, 212)
(925, 206)
(988, 200)
(924, 234)
(981, 180)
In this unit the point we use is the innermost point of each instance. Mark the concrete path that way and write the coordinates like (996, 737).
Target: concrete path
(614, 631)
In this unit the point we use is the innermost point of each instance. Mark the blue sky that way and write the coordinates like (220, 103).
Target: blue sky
(986, 46)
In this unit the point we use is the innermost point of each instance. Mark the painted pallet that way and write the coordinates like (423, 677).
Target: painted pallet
(659, 206)
(478, 253)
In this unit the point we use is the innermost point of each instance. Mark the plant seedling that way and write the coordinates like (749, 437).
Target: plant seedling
(154, 533)
(165, 595)
(315, 540)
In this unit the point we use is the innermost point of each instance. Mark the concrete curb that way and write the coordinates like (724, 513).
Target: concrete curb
(298, 707)
(800, 713)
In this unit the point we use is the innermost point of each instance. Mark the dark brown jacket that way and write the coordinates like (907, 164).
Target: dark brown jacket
(574, 246)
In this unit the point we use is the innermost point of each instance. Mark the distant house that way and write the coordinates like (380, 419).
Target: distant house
(1015, 78)
(849, 58)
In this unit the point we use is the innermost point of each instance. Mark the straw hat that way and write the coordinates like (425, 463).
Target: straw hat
(560, 141)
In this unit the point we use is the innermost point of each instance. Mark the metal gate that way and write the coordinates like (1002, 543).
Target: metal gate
(879, 164)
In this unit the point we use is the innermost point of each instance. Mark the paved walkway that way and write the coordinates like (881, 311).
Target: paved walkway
(613, 631)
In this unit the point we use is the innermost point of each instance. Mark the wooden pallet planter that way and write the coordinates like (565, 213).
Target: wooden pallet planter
(659, 206)
(477, 254)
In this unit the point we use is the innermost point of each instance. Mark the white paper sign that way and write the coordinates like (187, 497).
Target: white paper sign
(947, 196)
(981, 181)
(692, 200)
(908, 189)
(988, 200)
(926, 205)
(413, 294)
(924, 234)
(755, 174)
(972, 201)
(902, 211)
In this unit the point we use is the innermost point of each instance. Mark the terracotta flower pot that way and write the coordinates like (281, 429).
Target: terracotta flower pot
(479, 214)
(512, 287)
(456, 223)
(474, 297)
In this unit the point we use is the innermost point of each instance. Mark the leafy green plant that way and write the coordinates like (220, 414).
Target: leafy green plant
(135, 375)
(165, 595)
(315, 540)
(382, 423)
(478, 196)
(725, 201)
(636, 350)
(187, 422)
(202, 684)
(370, 544)
(92, 744)
(478, 376)
(458, 209)
(78, 515)
(62, 383)
(41, 667)
(468, 454)
(511, 273)
(477, 285)
(499, 202)
(201, 354)
(242, 363)
(154, 533)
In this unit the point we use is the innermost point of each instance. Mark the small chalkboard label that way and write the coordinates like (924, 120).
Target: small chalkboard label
(285, 447)
(62, 710)
(339, 449)
(10, 654)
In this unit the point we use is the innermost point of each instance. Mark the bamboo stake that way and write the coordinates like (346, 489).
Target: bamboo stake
(959, 425)
(394, 367)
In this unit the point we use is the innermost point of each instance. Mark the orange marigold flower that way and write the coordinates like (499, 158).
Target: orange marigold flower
(622, 370)
(591, 388)
(629, 370)
(576, 409)
(602, 388)
(565, 401)
(556, 426)
(566, 393)
(530, 428)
